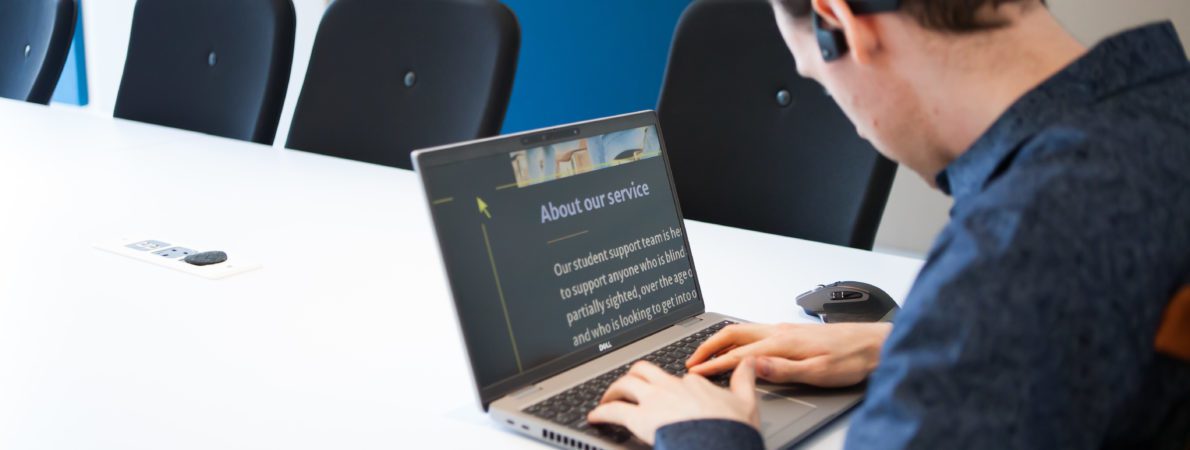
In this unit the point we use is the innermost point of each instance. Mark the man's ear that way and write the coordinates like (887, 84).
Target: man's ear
(860, 37)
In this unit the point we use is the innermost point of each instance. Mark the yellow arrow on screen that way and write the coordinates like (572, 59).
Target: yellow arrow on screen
(483, 207)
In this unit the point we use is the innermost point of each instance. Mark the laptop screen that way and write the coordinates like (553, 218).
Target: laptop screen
(559, 245)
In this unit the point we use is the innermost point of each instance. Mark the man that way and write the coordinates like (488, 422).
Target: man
(1032, 323)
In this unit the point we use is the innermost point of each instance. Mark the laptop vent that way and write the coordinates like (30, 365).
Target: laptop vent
(567, 442)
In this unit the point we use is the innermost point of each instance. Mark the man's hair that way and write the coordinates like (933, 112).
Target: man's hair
(956, 16)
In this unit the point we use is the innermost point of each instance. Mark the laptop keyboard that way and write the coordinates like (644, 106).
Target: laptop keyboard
(570, 407)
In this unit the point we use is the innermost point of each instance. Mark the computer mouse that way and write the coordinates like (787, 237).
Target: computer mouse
(849, 301)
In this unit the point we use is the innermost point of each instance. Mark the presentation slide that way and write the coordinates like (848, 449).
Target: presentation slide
(560, 248)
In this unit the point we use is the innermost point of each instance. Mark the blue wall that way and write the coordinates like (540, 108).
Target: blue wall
(72, 85)
(582, 59)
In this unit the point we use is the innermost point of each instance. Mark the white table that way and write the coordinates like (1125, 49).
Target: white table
(344, 339)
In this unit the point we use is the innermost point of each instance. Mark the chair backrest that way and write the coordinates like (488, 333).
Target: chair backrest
(214, 66)
(35, 38)
(1173, 337)
(1173, 341)
(389, 77)
(755, 146)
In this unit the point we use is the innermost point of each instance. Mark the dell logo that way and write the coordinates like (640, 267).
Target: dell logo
(605, 346)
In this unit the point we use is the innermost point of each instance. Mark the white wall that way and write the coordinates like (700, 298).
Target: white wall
(1093, 20)
(913, 217)
(916, 213)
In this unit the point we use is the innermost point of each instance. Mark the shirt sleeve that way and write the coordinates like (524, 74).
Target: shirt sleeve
(1033, 320)
(711, 434)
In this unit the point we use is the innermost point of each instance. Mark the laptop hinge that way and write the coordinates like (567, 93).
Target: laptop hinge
(688, 322)
(525, 391)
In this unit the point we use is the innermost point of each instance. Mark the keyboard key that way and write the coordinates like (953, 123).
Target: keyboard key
(566, 417)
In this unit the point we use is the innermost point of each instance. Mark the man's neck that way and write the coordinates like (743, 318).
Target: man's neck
(980, 76)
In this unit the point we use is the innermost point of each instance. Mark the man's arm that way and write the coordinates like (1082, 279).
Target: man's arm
(708, 435)
(1031, 324)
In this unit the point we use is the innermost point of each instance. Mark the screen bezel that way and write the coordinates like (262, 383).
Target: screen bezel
(439, 156)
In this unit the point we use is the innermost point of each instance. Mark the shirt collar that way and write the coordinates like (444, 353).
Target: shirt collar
(1125, 60)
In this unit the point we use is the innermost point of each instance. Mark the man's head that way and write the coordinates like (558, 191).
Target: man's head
(921, 82)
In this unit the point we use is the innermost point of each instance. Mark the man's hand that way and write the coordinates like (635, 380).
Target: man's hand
(832, 355)
(648, 398)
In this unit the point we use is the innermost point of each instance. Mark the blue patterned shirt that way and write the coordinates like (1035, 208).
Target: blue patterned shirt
(1032, 323)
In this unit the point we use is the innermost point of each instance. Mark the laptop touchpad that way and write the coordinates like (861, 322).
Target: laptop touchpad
(778, 411)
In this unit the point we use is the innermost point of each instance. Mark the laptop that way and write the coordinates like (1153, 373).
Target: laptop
(567, 260)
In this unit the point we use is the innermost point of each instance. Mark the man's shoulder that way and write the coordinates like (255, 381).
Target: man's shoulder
(1135, 142)
(1111, 172)
(1137, 126)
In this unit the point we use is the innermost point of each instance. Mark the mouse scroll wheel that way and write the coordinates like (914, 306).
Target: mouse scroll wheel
(845, 295)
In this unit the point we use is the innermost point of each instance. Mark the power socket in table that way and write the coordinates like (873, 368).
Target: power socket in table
(168, 254)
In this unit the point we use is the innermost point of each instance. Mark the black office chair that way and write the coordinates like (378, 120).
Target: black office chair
(755, 146)
(35, 38)
(214, 66)
(388, 77)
